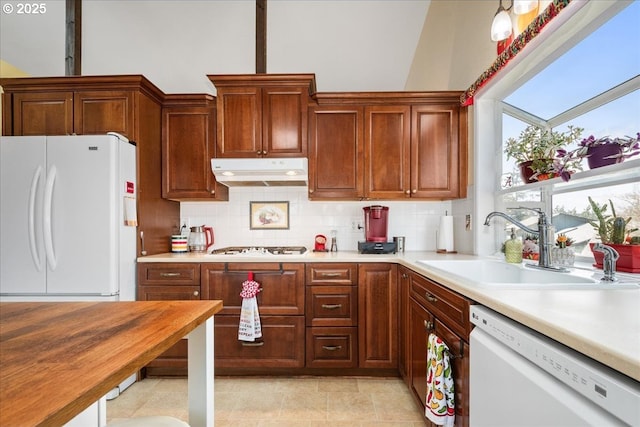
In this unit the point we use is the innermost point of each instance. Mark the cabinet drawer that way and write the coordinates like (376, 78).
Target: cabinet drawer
(168, 293)
(332, 274)
(186, 274)
(282, 287)
(451, 308)
(332, 306)
(282, 344)
(332, 347)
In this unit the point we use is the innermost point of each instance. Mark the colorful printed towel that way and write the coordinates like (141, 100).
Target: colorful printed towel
(250, 327)
(440, 405)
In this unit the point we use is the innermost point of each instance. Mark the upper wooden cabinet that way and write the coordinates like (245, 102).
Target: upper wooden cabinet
(262, 115)
(438, 151)
(414, 145)
(94, 105)
(39, 113)
(335, 152)
(99, 112)
(188, 144)
(74, 105)
(387, 167)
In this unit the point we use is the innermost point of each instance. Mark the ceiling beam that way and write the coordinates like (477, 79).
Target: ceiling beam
(73, 38)
(261, 36)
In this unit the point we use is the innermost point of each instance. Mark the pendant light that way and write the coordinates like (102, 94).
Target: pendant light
(501, 27)
(520, 7)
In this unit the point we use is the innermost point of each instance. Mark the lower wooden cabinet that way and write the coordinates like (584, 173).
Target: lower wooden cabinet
(329, 347)
(404, 337)
(321, 318)
(332, 315)
(424, 320)
(167, 282)
(281, 345)
(281, 307)
(378, 316)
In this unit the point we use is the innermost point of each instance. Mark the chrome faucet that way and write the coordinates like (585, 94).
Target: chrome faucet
(609, 262)
(543, 232)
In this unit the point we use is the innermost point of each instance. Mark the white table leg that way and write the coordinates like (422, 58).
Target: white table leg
(200, 378)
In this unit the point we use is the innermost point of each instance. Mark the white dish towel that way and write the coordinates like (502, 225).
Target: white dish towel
(250, 328)
(440, 403)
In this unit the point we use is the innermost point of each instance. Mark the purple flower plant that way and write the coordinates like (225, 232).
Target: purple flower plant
(567, 161)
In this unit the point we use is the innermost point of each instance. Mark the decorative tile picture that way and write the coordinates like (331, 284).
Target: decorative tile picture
(269, 215)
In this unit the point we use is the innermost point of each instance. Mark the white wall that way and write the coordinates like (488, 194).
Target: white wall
(349, 45)
(175, 44)
(454, 47)
(417, 221)
(34, 42)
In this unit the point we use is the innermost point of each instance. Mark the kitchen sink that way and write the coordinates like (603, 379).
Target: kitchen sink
(499, 274)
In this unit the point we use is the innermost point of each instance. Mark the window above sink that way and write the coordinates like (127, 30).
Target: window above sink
(554, 83)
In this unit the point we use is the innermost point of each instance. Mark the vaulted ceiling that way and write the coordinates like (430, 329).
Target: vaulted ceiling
(350, 45)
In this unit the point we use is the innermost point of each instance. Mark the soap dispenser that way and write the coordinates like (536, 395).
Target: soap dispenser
(513, 248)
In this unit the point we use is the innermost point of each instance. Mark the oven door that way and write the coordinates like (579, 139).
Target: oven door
(508, 390)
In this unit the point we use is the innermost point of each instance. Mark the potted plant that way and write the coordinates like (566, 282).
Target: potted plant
(562, 253)
(603, 151)
(536, 148)
(612, 231)
(530, 248)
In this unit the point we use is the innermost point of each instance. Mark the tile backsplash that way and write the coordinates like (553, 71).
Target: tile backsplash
(417, 221)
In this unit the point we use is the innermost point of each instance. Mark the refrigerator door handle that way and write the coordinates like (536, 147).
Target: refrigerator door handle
(48, 202)
(35, 181)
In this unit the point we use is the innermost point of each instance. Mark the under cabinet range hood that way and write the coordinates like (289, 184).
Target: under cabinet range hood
(263, 172)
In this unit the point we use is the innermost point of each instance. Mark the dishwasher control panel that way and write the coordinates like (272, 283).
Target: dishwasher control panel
(604, 386)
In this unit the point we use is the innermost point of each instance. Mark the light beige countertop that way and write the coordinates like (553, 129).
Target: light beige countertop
(602, 324)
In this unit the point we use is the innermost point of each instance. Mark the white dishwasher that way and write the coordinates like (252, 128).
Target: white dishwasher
(519, 377)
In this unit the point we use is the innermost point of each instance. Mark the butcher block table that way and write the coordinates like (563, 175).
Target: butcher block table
(58, 358)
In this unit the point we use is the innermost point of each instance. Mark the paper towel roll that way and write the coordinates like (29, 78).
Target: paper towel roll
(445, 234)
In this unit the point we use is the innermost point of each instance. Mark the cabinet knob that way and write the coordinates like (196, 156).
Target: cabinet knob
(428, 325)
(196, 293)
(311, 190)
(259, 152)
(264, 152)
(408, 192)
(414, 191)
(213, 191)
(430, 297)
(404, 275)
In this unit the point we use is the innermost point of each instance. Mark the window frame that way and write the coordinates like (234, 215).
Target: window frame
(577, 21)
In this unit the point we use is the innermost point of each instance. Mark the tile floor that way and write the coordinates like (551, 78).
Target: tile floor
(282, 402)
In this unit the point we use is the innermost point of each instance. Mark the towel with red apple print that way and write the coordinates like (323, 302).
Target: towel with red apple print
(440, 405)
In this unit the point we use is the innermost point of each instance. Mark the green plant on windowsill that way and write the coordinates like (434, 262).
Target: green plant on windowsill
(610, 228)
(536, 149)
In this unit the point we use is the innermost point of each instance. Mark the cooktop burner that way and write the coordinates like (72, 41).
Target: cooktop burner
(260, 250)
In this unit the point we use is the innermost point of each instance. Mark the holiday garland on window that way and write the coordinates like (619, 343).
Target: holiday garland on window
(514, 48)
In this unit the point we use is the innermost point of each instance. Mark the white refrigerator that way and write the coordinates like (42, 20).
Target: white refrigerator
(68, 222)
